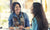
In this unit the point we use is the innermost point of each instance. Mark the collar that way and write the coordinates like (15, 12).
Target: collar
(20, 14)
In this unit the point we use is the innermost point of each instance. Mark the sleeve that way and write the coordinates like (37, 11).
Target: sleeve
(33, 26)
(10, 20)
(26, 20)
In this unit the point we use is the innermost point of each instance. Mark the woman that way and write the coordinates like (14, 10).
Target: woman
(18, 18)
(39, 21)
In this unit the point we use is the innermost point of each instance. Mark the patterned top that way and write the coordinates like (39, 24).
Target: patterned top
(25, 19)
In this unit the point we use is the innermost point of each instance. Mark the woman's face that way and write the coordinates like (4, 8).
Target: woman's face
(17, 9)
(32, 9)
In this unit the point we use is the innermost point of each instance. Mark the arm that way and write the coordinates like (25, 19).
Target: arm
(10, 22)
(27, 21)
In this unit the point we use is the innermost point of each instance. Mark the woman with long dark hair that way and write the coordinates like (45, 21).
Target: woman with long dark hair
(39, 21)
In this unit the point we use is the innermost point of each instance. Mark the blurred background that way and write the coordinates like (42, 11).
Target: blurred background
(5, 10)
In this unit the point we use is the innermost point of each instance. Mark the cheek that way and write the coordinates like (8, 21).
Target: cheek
(19, 9)
(31, 10)
(15, 8)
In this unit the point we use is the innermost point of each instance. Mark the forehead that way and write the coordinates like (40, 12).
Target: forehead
(17, 5)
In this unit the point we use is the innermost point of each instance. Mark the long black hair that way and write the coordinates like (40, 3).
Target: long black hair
(40, 16)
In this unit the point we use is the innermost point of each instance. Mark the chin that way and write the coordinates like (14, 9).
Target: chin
(31, 13)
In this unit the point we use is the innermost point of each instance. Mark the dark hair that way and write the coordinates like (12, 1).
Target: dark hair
(40, 16)
(13, 6)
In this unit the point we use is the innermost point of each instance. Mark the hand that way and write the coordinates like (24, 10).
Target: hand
(27, 28)
(21, 27)
(11, 28)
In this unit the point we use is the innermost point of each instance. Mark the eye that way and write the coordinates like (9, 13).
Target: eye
(16, 7)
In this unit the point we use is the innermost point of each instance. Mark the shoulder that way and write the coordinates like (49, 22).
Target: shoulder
(24, 14)
(10, 16)
(34, 18)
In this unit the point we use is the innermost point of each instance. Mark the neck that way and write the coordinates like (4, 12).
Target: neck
(17, 14)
